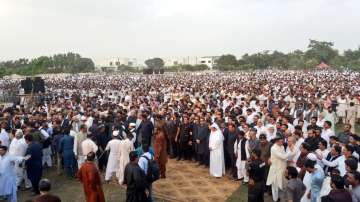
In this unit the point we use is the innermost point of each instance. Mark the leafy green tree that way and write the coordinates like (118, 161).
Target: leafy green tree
(227, 60)
(155, 63)
(321, 51)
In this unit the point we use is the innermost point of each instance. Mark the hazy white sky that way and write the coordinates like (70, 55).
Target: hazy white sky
(102, 29)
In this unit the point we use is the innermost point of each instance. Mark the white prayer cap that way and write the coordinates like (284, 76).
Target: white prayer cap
(19, 133)
(115, 133)
(311, 156)
(132, 124)
(83, 118)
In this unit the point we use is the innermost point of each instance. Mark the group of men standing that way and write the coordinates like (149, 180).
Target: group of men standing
(247, 124)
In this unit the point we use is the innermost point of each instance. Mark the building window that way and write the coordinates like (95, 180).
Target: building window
(203, 62)
(110, 63)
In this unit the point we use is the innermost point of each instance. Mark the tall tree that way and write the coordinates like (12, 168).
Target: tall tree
(321, 51)
(155, 63)
(227, 60)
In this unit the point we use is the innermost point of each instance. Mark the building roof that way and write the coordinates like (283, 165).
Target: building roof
(322, 65)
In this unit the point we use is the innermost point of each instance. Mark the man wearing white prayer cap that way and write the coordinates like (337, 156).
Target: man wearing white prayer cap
(113, 162)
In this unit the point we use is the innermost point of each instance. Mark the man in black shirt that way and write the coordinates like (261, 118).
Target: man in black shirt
(146, 128)
(135, 180)
(256, 172)
(313, 125)
(184, 139)
(230, 138)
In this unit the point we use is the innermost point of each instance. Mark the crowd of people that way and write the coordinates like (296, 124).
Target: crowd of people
(272, 130)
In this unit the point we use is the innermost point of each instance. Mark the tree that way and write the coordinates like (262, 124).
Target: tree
(125, 68)
(227, 60)
(155, 63)
(321, 51)
(296, 59)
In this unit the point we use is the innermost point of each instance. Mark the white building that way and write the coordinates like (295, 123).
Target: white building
(210, 61)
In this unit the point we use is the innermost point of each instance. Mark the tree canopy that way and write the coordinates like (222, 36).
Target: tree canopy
(59, 63)
(317, 52)
(155, 63)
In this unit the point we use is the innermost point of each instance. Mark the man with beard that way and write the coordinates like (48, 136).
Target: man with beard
(345, 135)
(313, 140)
(313, 125)
(184, 140)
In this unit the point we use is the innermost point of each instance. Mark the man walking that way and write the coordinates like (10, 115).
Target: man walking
(34, 163)
(90, 177)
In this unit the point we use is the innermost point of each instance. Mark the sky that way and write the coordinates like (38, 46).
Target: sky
(103, 29)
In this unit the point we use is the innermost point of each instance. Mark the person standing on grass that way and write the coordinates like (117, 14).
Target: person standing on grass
(34, 163)
(66, 148)
(160, 147)
(278, 160)
(217, 162)
(113, 161)
(90, 177)
(135, 180)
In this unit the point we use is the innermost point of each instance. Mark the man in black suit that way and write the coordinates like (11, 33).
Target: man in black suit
(34, 163)
(145, 129)
(230, 138)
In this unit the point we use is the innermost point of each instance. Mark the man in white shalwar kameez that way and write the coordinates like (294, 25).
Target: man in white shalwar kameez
(18, 148)
(114, 156)
(78, 139)
(8, 186)
(242, 155)
(125, 148)
(217, 163)
(278, 160)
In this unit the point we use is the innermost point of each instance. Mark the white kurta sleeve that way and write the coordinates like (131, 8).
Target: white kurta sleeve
(236, 147)
(330, 163)
(95, 147)
(246, 150)
(281, 154)
(107, 146)
(75, 145)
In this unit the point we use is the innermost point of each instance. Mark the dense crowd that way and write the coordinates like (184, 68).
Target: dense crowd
(276, 131)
